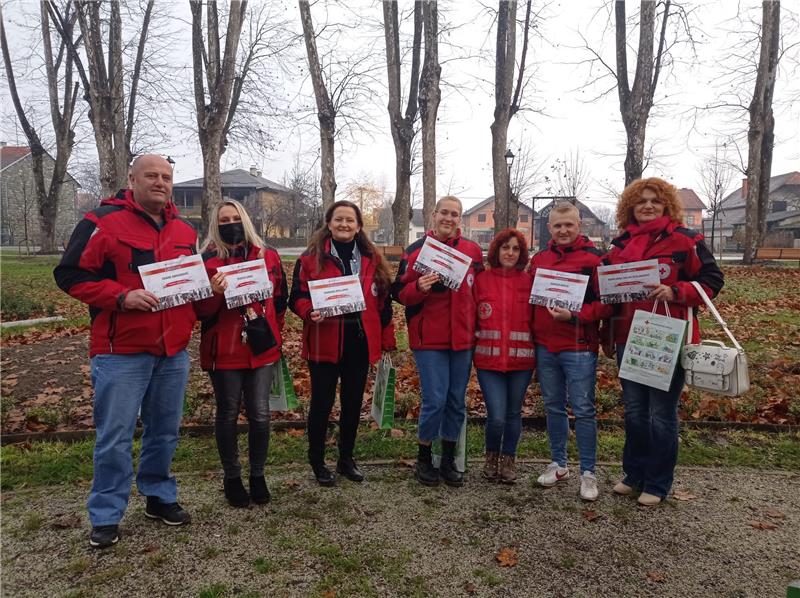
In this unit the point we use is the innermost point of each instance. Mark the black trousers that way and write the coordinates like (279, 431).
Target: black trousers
(352, 370)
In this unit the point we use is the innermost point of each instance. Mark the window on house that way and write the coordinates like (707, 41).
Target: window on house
(689, 219)
(523, 217)
(420, 235)
(481, 217)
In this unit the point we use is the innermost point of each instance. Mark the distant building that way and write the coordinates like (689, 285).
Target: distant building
(477, 222)
(19, 211)
(591, 226)
(693, 208)
(416, 228)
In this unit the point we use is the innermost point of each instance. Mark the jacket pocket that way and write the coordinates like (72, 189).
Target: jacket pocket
(141, 251)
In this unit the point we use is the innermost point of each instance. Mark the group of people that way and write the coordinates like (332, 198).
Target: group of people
(139, 363)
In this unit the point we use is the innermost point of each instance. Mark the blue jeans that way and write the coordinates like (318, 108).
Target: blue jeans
(651, 433)
(569, 376)
(122, 385)
(443, 378)
(503, 393)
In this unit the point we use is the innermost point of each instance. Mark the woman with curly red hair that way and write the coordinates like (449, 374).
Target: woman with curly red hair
(649, 214)
(504, 354)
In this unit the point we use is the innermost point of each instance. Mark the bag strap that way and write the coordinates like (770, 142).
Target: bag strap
(714, 313)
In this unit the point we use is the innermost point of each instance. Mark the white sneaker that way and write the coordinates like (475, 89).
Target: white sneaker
(553, 475)
(589, 489)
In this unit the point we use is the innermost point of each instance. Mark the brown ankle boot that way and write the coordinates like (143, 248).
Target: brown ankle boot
(508, 473)
(490, 467)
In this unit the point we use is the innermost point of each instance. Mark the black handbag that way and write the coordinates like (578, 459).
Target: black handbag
(257, 333)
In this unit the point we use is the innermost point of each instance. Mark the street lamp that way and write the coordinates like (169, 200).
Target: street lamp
(509, 156)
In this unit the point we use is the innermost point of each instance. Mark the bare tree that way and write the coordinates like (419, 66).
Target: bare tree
(570, 176)
(761, 134)
(217, 86)
(526, 172)
(402, 125)
(716, 175)
(63, 95)
(430, 95)
(605, 213)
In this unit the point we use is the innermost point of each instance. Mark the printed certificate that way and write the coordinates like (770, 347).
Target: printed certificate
(248, 283)
(652, 350)
(450, 264)
(559, 289)
(176, 281)
(623, 283)
(337, 296)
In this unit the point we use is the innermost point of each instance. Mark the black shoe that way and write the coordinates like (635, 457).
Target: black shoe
(425, 472)
(447, 469)
(235, 493)
(170, 513)
(104, 536)
(324, 475)
(347, 467)
(258, 490)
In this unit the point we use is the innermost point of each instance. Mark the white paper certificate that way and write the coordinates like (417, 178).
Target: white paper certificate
(559, 289)
(652, 350)
(248, 282)
(176, 281)
(450, 264)
(336, 296)
(622, 283)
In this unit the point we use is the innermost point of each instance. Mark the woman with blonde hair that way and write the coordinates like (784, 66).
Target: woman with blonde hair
(240, 346)
(650, 216)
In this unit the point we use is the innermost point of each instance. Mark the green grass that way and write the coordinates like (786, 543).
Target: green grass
(29, 291)
(49, 463)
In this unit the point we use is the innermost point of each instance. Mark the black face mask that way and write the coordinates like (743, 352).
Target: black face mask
(232, 233)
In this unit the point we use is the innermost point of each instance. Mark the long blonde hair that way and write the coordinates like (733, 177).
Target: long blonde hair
(214, 240)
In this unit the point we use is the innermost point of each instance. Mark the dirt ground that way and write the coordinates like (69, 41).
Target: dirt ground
(728, 533)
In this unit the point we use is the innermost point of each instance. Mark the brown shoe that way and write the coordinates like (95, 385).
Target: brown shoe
(508, 474)
(490, 466)
(622, 489)
(648, 500)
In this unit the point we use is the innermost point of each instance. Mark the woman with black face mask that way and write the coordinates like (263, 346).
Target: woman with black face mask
(240, 346)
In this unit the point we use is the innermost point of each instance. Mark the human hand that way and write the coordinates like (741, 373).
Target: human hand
(660, 292)
(560, 314)
(316, 316)
(218, 283)
(139, 299)
(426, 281)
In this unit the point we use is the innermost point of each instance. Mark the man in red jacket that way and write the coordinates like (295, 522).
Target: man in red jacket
(138, 356)
(566, 351)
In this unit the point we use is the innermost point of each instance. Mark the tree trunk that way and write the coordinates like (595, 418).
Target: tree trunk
(760, 135)
(429, 98)
(505, 58)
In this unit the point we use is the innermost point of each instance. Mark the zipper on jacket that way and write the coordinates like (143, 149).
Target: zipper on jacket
(112, 328)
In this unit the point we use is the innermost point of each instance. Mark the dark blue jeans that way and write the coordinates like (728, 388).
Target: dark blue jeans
(503, 393)
(651, 433)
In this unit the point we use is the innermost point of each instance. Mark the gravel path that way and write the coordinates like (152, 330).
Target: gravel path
(738, 534)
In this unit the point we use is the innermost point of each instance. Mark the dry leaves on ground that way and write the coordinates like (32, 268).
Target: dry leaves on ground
(656, 576)
(590, 515)
(764, 525)
(683, 495)
(507, 557)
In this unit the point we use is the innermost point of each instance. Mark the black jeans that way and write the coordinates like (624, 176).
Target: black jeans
(352, 369)
(230, 388)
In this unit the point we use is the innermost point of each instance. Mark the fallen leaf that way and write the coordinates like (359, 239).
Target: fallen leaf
(396, 433)
(149, 548)
(329, 594)
(445, 541)
(296, 432)
(762, 525)
(470, 588)
(507, 557)
(656, 576)
(590, 515)
(408, 463)
(67, 522)
(291, 484)
(683, 495)
(775, 514)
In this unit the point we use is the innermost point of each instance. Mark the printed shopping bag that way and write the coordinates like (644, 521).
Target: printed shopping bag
(461, 450)
(282, 396)
(383, 393)
(653, 349)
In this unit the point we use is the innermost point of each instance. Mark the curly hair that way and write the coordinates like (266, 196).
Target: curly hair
(503, 237)
(673, 207)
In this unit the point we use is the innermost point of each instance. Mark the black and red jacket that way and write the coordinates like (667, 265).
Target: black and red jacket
(581, 332)
(100, 266)
(324, 340)
(441, 319)
(683, 257)
(504, 339)
(221, 345)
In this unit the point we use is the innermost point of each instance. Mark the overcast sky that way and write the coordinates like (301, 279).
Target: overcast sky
(565, 116)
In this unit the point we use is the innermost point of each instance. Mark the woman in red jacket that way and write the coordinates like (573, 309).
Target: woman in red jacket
(504, 353)
(341, 347)
(240, 365)
(649, 214)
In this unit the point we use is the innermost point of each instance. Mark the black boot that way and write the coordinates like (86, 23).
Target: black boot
(448, 471)
(258, 490)
(347, 467)
(235, 493)
(324, 475)
(425, 472)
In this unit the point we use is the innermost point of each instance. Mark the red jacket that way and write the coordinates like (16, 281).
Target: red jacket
(221, 345)
(580, 333)
(441, 318)
(324, 340)
(683, 257)
(504, 336)
(100, 265)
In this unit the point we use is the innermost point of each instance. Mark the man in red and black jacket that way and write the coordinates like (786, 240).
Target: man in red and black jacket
(566, 351)
(138, 356)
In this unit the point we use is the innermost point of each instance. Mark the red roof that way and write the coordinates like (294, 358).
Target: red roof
(11, 153)
(690, 200)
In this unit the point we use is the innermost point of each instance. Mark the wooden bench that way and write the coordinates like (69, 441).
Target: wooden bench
(778, 253)
(393, 253)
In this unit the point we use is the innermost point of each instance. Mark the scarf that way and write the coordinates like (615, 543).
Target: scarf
(642, 236)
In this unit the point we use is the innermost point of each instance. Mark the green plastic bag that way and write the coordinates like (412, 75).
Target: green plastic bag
(383, 393)
(282, 396)
(461, 449)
